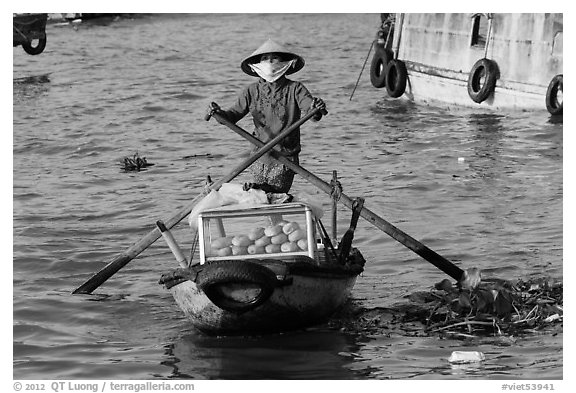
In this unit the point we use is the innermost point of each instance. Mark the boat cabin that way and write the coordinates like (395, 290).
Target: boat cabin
(276, 231)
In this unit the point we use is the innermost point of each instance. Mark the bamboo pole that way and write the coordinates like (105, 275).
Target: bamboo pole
(334, 195)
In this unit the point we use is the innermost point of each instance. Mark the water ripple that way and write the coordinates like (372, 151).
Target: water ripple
(484, 190)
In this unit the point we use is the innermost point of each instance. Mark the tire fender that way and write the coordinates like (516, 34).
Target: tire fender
(554, 103)
(35, 50)
(236, 271)
(396, 78)
(482, 79)
(378, 66)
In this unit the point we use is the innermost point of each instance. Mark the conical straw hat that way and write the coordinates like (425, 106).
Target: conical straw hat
(271, 47)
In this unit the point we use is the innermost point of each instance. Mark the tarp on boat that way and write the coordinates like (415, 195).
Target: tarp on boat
(234, 195)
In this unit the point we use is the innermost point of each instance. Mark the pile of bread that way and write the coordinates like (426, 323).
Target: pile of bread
(282, 237)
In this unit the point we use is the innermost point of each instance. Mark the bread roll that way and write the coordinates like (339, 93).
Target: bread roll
(221, 242)
(297, 235)
(272, 248)
(279, 239)
(290, 227)
(254, 249)
(224, 252)
(303, 244)
(239, 250)
(241, 241)
(263, 241)
(273, 230)
(289, 247)
(256, 233)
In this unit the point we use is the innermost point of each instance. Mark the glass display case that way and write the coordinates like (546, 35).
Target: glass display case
(274, 231)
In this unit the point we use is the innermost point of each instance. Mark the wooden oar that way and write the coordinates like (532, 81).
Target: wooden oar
(408, 241)
(124, 258)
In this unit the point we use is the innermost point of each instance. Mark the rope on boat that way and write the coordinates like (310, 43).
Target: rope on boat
(193, 250)
(336, 192)
(489, 37)
(21, 34)
(362, 70)
(326, 239)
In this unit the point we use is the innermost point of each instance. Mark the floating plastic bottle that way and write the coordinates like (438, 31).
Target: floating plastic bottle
(466, 357)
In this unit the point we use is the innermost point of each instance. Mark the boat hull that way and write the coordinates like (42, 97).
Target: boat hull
(305, 298)
(436, 88)
(441, 53)
(28, 27)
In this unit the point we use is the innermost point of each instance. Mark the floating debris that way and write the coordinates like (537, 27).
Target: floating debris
(33, 80)
(207, 155)
(494, 311)
(462, 357)
(134, 163)
(498, 307)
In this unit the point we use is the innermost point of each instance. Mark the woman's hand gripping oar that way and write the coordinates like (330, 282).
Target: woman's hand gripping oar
(429, 255)
(124, 258)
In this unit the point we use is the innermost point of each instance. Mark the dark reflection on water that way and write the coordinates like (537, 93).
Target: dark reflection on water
(488, 132)
(313, 354)
(30, 87)
(32, 80)
(556, 119)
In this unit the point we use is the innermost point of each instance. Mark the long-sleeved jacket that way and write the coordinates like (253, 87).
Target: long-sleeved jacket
(274, 107)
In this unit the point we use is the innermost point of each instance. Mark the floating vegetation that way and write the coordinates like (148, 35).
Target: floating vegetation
(32, 80)
(134, 163)
(497, 309)
(206, 155)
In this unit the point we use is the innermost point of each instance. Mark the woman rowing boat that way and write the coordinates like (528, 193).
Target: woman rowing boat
(275, 102)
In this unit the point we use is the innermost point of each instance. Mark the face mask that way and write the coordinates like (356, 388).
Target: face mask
(270, 72)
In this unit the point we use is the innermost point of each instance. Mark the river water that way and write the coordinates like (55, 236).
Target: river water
(482, 189)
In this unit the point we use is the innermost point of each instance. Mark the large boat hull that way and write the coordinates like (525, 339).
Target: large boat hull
(436, 88)
(441, 55)
(29, 30)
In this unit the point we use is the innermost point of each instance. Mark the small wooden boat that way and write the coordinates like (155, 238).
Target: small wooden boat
(263, 269)
(30, 32)
(269, 267)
